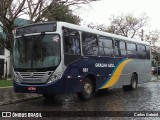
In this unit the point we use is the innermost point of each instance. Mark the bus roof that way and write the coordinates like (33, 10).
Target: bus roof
(85, 29)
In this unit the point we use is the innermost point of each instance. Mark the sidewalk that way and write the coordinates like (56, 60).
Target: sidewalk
(7, 96)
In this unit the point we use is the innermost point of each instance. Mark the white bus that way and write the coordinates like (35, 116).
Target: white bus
(58, 57)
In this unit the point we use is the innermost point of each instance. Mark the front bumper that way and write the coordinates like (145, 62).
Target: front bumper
(53, 88)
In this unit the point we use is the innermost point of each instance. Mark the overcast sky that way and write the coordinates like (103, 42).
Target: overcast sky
(99, 12)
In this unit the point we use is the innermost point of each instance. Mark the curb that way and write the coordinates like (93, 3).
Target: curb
(6, 87)
(17, 100)
(8, 96)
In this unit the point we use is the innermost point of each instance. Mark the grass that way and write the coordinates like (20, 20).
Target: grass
(6, 83)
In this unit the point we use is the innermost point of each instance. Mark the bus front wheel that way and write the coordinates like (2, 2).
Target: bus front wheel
(87, 90)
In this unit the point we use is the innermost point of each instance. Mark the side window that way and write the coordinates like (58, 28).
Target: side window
(148, 52)
(122, 45)
(105, 46)
(90, 44)
(116, 49)
(71, 42)
(120, 48)
(141, 49)
(131, 50)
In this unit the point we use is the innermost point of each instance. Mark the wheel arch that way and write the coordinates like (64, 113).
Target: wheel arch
(92, 77)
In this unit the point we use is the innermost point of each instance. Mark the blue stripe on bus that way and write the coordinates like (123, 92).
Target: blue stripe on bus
(107, 80)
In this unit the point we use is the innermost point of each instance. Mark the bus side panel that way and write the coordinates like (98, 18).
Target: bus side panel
(73, 76)
(137, 67)
(100, 67)
(109, 73)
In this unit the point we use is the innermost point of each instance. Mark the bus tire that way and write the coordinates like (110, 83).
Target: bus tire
(48, 96)
(134, 82)
(87, 90)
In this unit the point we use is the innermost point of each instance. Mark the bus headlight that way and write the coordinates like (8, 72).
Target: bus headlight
(54, 77)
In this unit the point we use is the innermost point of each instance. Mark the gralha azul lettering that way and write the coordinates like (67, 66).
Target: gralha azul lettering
(104, 65)
(111, 65)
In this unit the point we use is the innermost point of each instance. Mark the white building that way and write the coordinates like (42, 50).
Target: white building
(4, 59)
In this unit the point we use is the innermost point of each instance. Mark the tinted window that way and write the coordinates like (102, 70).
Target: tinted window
(120, 49)
(71, 42)
(105, 42)
(148, 52)
(131, 46)
(105, 46)
(90, 44)
(116, 49)
(132, 54)
(131, 50)
(37, 51)
(141, 49)
(122, 45)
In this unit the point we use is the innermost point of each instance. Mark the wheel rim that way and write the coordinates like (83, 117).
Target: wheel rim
(134, 82)
(87, 88)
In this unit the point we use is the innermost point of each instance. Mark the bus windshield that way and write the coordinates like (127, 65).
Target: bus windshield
(37, 51)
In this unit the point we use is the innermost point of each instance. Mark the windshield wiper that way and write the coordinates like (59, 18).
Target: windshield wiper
(25, 46)
(40, 37)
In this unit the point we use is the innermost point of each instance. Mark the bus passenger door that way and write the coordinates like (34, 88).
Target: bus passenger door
(72, 51)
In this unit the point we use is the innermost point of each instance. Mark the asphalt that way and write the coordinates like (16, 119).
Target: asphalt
(8, 96)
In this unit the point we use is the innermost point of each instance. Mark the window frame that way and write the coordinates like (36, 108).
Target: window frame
(142, 54)
(111, 49)
(69, 30)
(91, 46)
(119, 49)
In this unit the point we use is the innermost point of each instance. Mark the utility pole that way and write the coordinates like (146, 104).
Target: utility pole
(142, 35)
(157, 59)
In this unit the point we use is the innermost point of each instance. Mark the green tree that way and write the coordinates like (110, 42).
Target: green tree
(62, 13)
(9, 11)
(35, 10)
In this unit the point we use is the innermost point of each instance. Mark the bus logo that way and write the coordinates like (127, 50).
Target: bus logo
(6, 114)
(31, 75)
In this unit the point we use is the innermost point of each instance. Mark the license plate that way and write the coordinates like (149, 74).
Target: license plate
(32, 88)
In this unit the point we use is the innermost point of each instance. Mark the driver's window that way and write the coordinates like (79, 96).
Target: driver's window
(71, 42)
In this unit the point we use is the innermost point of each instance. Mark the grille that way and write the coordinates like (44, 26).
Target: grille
(32, 74)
